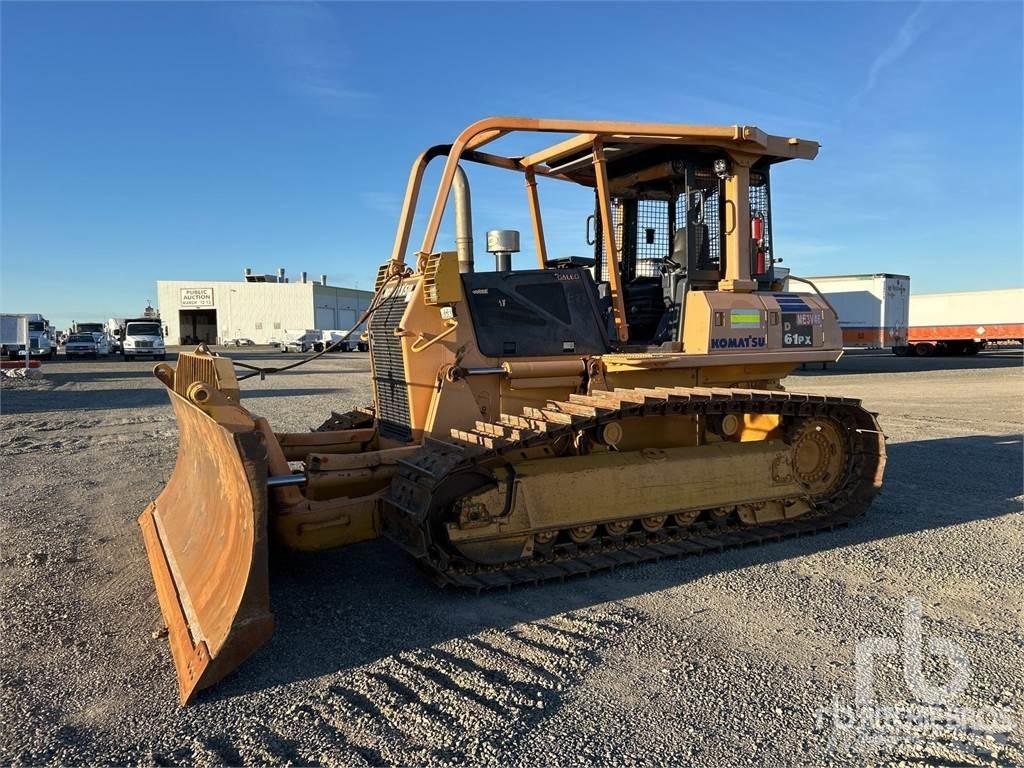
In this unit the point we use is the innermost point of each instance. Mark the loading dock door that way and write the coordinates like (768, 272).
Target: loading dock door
(324, 319)
(197, 325)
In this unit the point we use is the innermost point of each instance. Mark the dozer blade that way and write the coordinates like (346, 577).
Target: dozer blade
(206, 538)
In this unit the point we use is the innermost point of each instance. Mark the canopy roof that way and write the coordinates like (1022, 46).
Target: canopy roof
(572, 159)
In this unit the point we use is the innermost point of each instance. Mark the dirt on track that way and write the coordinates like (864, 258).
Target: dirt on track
(719, 660)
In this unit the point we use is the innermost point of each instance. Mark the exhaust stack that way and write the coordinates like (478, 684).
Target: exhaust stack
(323, 279)
(463, 220)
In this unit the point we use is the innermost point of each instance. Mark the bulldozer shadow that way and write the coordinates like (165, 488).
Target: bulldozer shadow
(345, 609)
(869, 361)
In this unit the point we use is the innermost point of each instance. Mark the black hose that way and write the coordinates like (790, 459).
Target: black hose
(377, 302)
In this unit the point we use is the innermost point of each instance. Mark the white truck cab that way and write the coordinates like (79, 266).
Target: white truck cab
(143, 337)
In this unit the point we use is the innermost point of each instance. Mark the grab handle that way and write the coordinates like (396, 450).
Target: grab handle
(419, 346)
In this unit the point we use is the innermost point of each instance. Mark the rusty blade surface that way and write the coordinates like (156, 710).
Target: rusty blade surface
(206, 538)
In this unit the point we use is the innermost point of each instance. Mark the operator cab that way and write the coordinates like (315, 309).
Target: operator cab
(669, 222)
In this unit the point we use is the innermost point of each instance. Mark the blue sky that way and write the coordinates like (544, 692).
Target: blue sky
(146, 141)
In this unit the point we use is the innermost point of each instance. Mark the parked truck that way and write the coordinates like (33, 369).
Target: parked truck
(104, 342)
(873, 309)
(353, 340)
(963, 323)
(302, 341)
(81, 345)
(13, 333)
(115, 330)
(42, 342)
(143, 336)
(77, 327)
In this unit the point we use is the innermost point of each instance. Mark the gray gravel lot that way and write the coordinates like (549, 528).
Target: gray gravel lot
(720, 660)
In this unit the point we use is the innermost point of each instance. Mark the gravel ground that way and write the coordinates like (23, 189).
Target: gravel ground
(729, 659)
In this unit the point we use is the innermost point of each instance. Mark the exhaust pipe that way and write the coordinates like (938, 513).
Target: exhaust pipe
(463, 220)
(323, 279)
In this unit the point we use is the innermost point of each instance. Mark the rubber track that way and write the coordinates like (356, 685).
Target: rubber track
(421, 477)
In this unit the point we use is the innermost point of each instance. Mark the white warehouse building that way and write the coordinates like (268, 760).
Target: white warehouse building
(259, 307)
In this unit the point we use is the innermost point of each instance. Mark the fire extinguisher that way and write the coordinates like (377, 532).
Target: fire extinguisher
(757, 243)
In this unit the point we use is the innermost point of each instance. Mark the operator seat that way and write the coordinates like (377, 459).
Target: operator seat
(701, 255)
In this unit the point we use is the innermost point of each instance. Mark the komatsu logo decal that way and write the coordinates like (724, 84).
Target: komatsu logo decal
(743, 342)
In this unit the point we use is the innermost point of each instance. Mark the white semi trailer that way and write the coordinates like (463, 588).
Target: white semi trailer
(964, 322)
(873, 309)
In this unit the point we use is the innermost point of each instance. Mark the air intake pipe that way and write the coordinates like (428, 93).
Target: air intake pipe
(463, 220)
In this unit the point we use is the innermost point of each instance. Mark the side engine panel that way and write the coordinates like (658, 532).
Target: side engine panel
(535, 313)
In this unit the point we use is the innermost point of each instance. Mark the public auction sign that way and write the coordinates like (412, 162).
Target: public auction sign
(197, 297)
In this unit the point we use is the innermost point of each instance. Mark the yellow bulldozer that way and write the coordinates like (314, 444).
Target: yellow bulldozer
(534, 424)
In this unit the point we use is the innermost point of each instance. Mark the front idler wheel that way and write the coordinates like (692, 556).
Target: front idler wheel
(820, 456)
